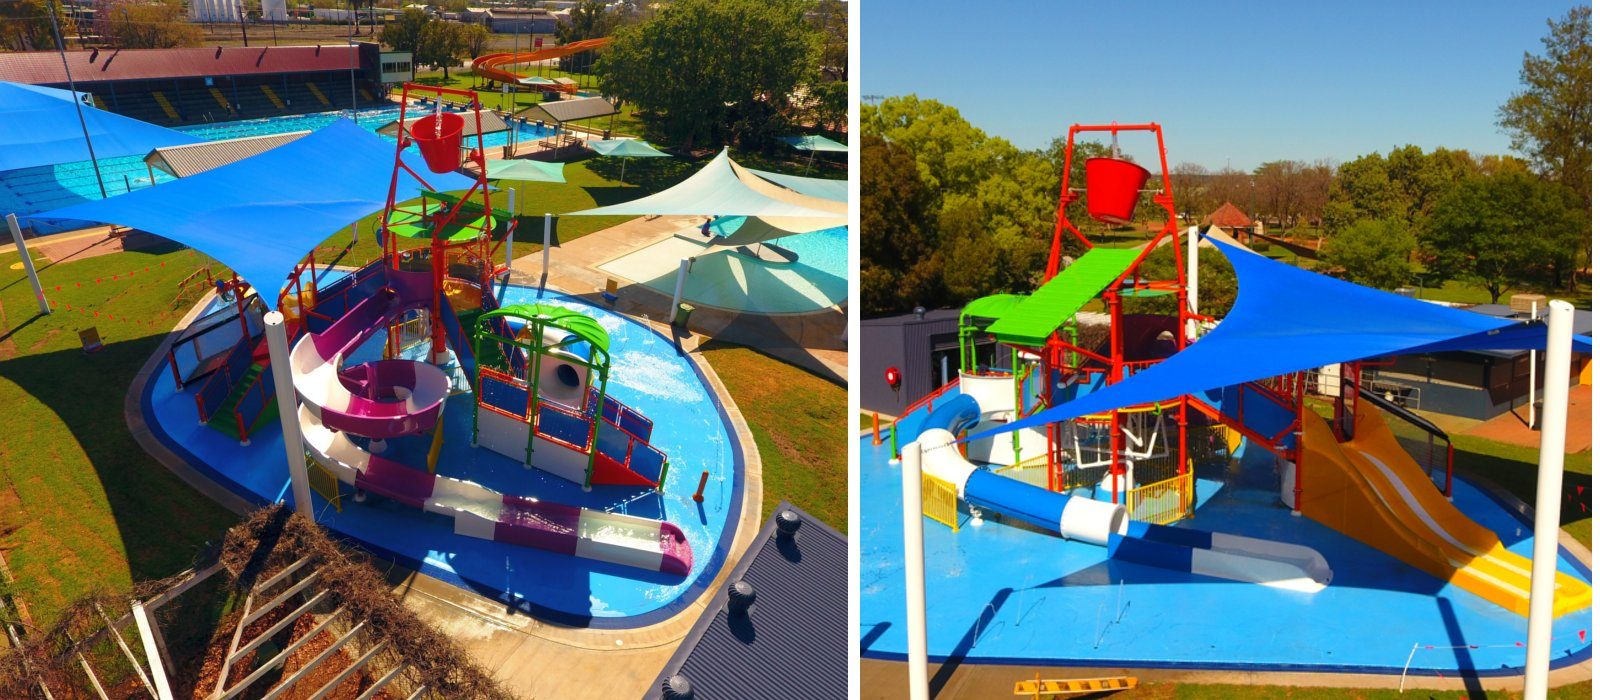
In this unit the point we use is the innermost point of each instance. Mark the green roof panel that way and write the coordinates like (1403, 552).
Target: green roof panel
(1056, 302)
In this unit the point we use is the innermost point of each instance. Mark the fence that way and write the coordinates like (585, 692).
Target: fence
(939, 501)
(1162, 502)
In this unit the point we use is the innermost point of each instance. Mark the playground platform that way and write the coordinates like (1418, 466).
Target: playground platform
(694, 428)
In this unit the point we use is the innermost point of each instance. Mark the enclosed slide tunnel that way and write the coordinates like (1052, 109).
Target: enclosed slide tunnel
(1233, 557)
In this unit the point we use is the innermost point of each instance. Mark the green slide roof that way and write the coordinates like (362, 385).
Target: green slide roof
(1055, 303)
(573, 322)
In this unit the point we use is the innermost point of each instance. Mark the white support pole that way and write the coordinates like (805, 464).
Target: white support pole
(27, 264)
(1547, 497)
(511, 232)
(1533, 373)
(547, 229)
(916, 588)
(1192, 281)
(288, 413)
(677, 290)
(147, 633)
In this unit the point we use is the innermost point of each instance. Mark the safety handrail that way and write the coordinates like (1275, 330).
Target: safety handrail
(1422, 424)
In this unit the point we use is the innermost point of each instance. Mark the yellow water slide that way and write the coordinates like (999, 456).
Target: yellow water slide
(1370, 489)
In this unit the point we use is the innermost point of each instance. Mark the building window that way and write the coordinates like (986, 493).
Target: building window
(397, 67)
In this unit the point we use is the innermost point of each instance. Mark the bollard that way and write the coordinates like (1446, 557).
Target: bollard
(877, 437)
(700, 492)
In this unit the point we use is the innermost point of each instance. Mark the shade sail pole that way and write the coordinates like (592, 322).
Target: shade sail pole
(27, 264)
(1547, 497)
(1192, 281)
(77, 102)
(545, 275)
(288, 412)
(1533, 374)
(916, 588)
(677, 290)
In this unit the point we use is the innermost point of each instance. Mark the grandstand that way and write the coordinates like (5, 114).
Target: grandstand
(197, 85)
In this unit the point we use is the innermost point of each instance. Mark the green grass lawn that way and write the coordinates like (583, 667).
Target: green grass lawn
(82, 506)
(798, 421)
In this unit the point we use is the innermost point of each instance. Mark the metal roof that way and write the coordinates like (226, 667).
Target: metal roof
(190, 159)
(570, 110)
(492, 123)
(44, 67)
(795, 637)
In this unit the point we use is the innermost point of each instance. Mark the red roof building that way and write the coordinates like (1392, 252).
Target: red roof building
(110, 65)
(1229, 216)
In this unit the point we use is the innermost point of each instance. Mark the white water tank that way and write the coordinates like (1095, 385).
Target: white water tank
(274, 10)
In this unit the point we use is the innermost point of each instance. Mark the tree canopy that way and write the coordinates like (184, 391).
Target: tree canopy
(1373, 252)
(715, 71)
(1503, 229)
(1551, 119)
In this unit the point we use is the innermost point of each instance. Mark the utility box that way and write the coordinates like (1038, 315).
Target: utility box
(681, 317)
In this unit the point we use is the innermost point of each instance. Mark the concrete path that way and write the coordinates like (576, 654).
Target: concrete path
(1512, 426)
(813, 341)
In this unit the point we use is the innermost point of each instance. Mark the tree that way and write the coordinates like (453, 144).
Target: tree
(1371, 252)
(405, 34)
(25, 24)
(1189, 192)
(899, 261)
(832, 20)
(1218, 284)
(1362, 189)
(712, 69)
(1550, 119)
(951, 154)
(474, 40)
(1505, 229)
(589, 19)
(137, 24)
(440, 45)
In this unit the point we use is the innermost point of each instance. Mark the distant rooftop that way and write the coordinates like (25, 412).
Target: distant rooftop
(44, 67)
(793, 640)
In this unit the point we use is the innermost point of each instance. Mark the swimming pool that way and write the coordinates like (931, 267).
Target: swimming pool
(33, 190)
(1003, 594)
(648, 374)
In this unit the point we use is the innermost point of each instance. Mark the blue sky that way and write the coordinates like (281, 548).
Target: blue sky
(1231, 82)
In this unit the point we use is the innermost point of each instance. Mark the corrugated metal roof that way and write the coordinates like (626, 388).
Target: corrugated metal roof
(570, 110)
(44, 67)
(492, 123)
(186, 160)
(795, 640)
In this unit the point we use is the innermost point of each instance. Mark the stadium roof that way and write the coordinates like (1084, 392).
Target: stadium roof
(194, 158)
(794, 640)
(45, 68)
(570, 110)
(262, 215)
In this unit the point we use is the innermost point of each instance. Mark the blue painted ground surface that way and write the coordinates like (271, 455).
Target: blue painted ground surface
(1002, 594)
(647, 375)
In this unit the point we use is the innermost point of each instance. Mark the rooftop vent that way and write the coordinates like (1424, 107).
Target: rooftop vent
(741, 595)
(788, 524)
(677, 687)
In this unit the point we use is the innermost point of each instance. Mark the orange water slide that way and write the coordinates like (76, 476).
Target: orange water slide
(496, 66)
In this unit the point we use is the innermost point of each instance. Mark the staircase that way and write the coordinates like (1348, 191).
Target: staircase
(226, 420)
(166, 106)
(272, 96)
(317, 93)
(223, 101)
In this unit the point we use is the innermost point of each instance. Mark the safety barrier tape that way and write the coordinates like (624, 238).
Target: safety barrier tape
(152, 322)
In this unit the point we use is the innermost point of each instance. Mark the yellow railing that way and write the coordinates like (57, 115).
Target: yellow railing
(1162, 502)
(939, 501)
(438, 443)
(1034, 471)
(324, 483)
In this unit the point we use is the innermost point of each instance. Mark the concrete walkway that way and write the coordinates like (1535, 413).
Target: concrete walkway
(813, 341)
(1512, 426)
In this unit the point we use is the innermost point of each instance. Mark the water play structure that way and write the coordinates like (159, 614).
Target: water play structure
(1075, 416)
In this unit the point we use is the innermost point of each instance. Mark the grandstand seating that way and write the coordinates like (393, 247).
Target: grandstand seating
(247, 100)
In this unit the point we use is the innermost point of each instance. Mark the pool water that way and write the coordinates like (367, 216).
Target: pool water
(998, 593)
(44, 188)
(648, 374)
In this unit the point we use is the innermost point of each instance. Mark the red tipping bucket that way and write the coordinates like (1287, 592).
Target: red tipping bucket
(1113, 189)
(438, 136)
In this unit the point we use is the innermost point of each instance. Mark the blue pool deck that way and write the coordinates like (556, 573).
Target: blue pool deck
(648, 374)
(1000, 594)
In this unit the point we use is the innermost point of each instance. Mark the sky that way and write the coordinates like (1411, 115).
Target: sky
(1232, 83)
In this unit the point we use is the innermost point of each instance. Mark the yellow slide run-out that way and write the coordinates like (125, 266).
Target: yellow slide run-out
(1370, 489)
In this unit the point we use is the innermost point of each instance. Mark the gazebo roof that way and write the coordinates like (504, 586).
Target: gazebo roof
(1229, 216)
